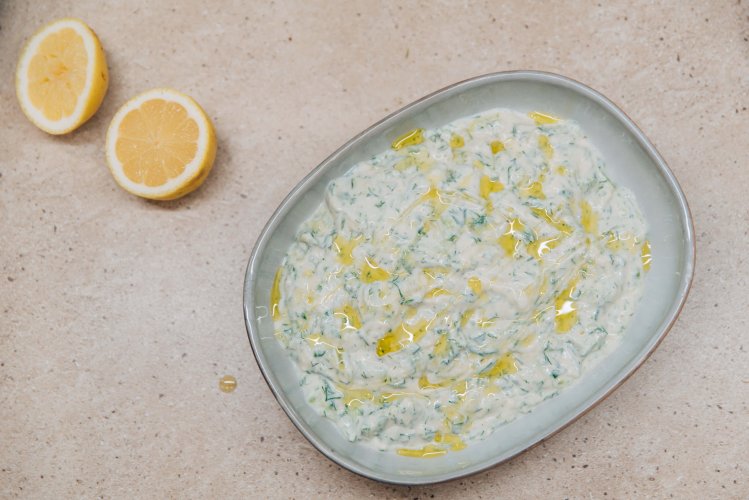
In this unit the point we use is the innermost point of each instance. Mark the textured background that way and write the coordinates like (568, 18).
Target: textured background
(119, 315)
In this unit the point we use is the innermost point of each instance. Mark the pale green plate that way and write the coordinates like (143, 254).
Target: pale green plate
(631, 161)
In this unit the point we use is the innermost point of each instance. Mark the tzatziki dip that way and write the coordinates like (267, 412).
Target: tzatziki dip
(455, 281)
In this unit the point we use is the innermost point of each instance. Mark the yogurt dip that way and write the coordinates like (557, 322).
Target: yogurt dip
(457, 280)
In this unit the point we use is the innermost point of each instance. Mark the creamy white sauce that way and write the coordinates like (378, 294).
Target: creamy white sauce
(454, 282)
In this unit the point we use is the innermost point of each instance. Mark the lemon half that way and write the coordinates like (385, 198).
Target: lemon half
(160, 145)
(62, 76)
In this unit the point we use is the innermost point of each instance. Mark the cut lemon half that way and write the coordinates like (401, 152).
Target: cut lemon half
(160, 145)
(61, 76)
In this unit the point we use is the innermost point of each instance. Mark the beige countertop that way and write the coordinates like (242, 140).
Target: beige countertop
(119, 315)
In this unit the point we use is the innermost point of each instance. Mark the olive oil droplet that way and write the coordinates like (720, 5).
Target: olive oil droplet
(227, 383)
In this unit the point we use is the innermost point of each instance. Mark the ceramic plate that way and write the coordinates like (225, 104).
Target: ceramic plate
(631, 161)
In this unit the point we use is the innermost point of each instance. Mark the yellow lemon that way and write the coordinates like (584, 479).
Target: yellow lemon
(61, 76)
(160, 145)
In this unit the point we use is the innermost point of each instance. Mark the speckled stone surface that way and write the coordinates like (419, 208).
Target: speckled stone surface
(119, 316)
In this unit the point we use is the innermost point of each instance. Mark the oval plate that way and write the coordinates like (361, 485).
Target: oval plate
(631, 160)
